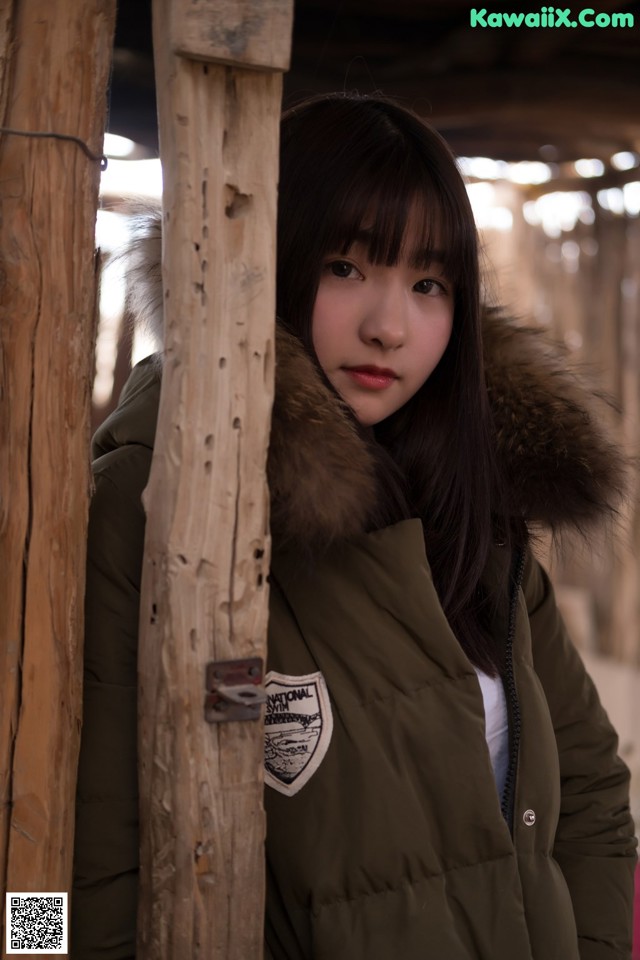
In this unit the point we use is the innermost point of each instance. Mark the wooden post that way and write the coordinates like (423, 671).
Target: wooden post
(204, 589)
(54, 69)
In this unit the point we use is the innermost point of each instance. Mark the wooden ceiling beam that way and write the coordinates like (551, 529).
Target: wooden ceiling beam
(544, 99)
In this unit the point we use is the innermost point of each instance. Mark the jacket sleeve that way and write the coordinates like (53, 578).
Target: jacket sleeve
(106, 857)
(595, 844)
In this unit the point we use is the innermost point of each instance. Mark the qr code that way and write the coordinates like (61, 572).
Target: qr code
(36, 923)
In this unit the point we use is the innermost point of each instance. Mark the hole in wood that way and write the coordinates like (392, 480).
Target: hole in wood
(222, 362)
(208, 441)
(237, 203)
(205, 211)
(207, 467)
(236, 423)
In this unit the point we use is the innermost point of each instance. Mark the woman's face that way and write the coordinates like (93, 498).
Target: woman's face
(378, 331)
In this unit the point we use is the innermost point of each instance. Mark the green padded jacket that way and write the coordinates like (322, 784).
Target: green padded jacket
(386, 838)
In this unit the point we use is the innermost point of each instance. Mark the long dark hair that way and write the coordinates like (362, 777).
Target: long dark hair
(347, 162)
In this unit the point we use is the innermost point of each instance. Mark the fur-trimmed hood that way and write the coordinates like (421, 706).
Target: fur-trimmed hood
(561, 467)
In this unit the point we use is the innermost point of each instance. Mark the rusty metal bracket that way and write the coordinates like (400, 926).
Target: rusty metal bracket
(234, 690)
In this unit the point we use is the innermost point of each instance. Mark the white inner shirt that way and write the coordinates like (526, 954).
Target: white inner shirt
(496, 726)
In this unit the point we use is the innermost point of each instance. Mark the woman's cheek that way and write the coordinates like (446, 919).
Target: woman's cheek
(325, 320)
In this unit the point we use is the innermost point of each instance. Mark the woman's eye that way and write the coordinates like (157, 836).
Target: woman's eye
(342, 269)
(431, 288)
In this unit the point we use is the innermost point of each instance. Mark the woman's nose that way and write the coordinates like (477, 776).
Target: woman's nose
(385, 322)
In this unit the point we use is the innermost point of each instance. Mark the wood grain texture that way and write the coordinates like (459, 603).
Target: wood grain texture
(204, 590)
(242, 33)
(48, 201)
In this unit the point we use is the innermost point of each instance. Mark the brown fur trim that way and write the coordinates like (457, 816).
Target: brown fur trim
(143, 257)
(560, 464)
(321, 474)
(561, 467)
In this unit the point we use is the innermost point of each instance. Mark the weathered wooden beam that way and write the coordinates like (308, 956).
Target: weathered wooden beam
(204, 590)
(48, 201)
(240, 33)
(586, 104)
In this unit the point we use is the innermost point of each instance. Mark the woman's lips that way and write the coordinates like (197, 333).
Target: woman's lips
(372, 378)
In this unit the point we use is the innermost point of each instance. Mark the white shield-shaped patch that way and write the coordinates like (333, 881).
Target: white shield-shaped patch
(298, 727)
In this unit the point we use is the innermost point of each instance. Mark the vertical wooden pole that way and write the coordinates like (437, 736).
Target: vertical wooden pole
(54, 68)
(204, 590)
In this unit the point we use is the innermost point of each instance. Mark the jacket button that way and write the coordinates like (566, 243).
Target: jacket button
(529, 817)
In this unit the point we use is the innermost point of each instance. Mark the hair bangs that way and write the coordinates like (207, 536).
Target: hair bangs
(398, 209)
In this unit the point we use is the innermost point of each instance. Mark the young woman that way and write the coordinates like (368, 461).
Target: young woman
(447, 786)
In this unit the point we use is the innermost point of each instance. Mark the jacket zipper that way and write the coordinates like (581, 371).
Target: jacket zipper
(513, 704)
